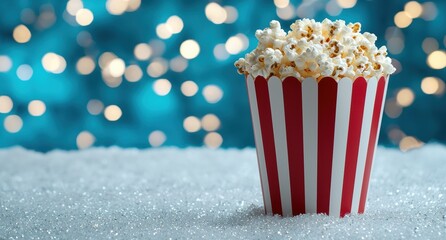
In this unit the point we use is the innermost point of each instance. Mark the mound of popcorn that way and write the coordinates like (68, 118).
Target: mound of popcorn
(316, 49)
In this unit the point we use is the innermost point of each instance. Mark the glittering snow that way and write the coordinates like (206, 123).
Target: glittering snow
(195, 193)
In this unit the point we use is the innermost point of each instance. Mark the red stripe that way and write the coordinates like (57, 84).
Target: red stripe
(354, 132)
(292, 98)
(266, 125)
(327, 96)
(372, 141)
(258, 160)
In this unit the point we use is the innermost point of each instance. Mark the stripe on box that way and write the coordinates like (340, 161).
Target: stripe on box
(327, 95)
(266, 126)
(372, 83)
(259, 144)
(278, 117)
(292, 95)
(340, 144)
(354, 132)
(309, 112)
(376, 122)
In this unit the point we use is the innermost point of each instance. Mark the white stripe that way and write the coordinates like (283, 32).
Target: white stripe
(372, 83)
(309, 112)
(379, 126)
(280, 142)
(342, 119)
(259, 143)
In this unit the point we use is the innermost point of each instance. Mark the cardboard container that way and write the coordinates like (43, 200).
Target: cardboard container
(315, 141)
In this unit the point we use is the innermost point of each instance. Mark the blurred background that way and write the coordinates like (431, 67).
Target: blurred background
(132, 73)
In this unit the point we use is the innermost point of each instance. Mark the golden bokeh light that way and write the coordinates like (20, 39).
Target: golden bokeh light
(117, 7)
(234, 45)
(13, 123)
(189, 88)
(105, 59)
(215, 13)
(231, 14)
(162, 87)
(430, 11)
(133, 5)
(5, 63)
(157, 67)
(84, 17)
(21, 34)
(192, 124)
(213, 140)
(189, 49)
(402, 19)
(178, 64)
(429, 45)
(392, 109)
(281, 3)
(437, 59)
(24, 72)
(54, 63)
(116, 67)
(95, 107)
(408, 142)
(405, 97)
(85, 140)
(142, 51)
(157, 138)
(85, 65)
(286, 13)
(163, 31)
(432, 85)
(212, 93)
(174, 24)
(220, 52)
(6, 104)
(112, 113)
(346, 3)
(413, 9)
(73, 6)
(210, 122)
(133, 73)
(36, 108)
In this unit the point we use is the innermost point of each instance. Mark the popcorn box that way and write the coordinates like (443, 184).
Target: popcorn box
(315, 141)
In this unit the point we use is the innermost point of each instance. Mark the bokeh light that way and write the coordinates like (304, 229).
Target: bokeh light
(85, 65)
(189, 49)
(112, 113)
(405, 97)
(84, 17)
(212, 93)
(95, 107)
(346, 3)
(192, 124)
(189, 88)
(213, 140)
(36, 108)
(84, 140)
(210, 122)
(21, 34)
(402, 19)
(13, 123)
(54, 63)
(162, 87)
(5, 63)
(437, 59)
(142, 51)
(157, 138)
(24, 72)
(6, 104)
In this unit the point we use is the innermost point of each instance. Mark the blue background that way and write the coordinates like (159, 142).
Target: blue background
(67, 94)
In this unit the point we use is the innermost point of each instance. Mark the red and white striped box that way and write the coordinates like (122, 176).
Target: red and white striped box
(315, 141)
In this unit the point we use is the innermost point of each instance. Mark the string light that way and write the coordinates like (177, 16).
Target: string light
(13, 123)
(112, 113)
(85, 140)
(213, 140)
(36, 108)
(24, 72)
(6, 104)
(21, 34)
(157, 138)
(189, 49)
(192, 124)
(189, 88)
(162, 87)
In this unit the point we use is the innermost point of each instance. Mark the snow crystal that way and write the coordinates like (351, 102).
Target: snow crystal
(195, 193)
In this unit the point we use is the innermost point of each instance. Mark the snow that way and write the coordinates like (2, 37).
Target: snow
(103, 193)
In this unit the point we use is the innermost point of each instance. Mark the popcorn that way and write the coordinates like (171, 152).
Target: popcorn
(316, 49)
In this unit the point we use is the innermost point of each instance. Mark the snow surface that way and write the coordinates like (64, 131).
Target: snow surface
(113, 193)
